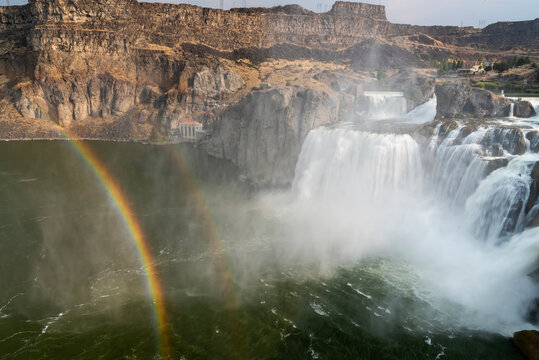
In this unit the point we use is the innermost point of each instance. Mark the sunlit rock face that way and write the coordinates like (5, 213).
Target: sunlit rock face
(72, 63)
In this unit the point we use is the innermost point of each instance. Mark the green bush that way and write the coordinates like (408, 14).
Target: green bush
(489, 86)
(380, 75)
(447, 66)
(515, 62)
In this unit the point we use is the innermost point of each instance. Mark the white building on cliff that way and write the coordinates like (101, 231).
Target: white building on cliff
(189, 131)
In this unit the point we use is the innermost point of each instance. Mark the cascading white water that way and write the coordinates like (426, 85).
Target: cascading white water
(360, 194)
(423, 113)
(384, 105)
(379, 162)
(512, 110)
(497, 207)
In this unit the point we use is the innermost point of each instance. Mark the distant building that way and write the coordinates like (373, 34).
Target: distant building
(189, 131)
(471, 70)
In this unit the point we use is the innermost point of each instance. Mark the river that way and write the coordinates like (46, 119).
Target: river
(375, 252)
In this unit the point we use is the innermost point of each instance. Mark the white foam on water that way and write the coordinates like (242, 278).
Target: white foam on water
(358, 194)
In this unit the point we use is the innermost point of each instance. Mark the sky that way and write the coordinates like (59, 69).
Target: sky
(416, 12)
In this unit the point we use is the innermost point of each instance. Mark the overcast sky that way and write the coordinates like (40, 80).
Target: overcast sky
(418, 12)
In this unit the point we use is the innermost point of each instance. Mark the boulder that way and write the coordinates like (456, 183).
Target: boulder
(524, 109)
(496, 164)
(528, 342)
(461, 100)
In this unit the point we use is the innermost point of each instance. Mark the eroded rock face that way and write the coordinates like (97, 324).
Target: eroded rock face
(212, 83)
(461, 100)
(264, 132)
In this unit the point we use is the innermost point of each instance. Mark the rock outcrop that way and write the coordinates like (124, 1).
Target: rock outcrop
(264, 132)
(528, 343)
(460, 100)
(524, 109)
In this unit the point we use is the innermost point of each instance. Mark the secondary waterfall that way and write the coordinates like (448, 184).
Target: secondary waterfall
(456, 208)
(380, 105)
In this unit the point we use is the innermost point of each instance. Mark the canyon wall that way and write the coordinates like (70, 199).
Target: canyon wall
(90, 64)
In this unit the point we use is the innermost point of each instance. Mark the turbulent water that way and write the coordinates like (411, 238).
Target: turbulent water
(384, 247)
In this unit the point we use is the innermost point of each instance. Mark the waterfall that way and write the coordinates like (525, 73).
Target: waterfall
(359, 164)
(498, 206)
(423, 113)
(381, 105)
(512, 110)
(464, 170)
(456, 210)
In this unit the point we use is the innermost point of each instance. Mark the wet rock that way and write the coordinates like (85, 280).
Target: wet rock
(533, 138)
(535, 221)
(460, 100)
(447, 127)
(494, 150)
(528, 342)
(534, 188)
(496, 164)
(511, 139)
(535, 173)
(524, 109)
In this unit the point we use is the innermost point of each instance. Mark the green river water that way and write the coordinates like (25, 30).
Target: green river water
(72, 285)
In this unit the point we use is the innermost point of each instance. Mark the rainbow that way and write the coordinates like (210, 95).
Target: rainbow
(136, 234)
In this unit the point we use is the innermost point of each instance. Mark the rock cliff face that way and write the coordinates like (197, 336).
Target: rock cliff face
(77, 60)
(123, 69)
(264, 132)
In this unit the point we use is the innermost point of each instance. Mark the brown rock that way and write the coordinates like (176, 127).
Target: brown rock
(496, 164)
(535, 221)
(524, 109)
(528, 342)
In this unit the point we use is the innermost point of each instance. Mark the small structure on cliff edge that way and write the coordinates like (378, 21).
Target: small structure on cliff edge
(189, 131)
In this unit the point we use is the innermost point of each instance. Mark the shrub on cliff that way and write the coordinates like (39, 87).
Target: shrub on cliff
(515, 62)
(451, 65)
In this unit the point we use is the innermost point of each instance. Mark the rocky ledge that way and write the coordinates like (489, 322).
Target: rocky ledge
(456, 99)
